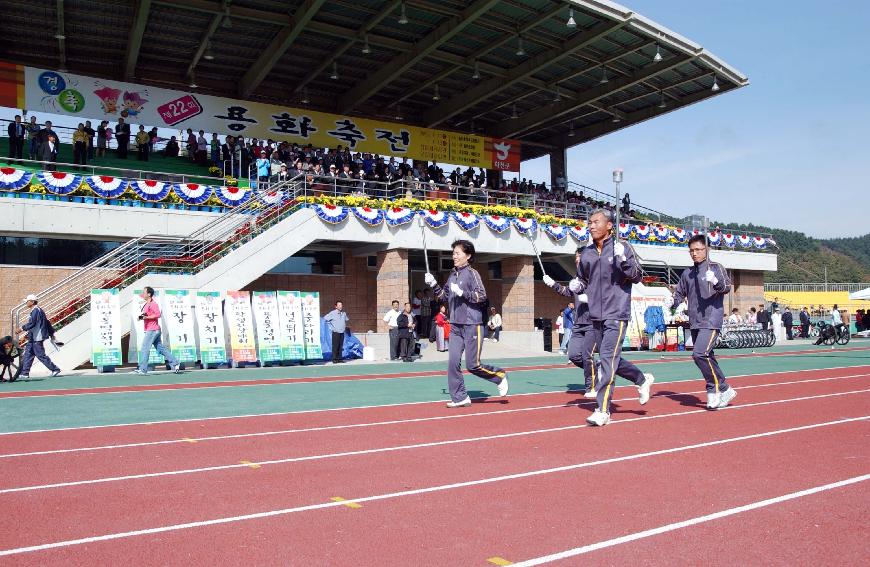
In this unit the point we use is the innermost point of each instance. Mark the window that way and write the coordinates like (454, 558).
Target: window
(554, 270)
(52, 251)
(495, 270)
(319, 262)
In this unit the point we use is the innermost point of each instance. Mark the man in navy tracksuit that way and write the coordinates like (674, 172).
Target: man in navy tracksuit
(466, 301)
(38, 329)
(705, 285)
(584, 341)
(606, 271)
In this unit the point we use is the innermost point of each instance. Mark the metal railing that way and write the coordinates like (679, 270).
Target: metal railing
(69, 298)
(821, 286)
(127, 173)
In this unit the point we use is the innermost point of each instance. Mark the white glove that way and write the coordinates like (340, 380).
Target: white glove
(711, 277)
(548, 281)
(619, 250)
(583, 298)
(575, 285)
(668, 302)
(456, 290)
(430, 280)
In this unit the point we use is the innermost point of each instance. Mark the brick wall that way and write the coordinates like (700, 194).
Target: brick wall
(549, 304)
(391, 283)
(518, 296)
(16, 282)
(747, 290)
(356, 288)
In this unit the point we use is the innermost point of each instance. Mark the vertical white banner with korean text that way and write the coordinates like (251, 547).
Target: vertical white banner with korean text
(177, 310)
(290, 315)
(105, 327)
(237, 309)
(311, 323)
(210, 325)
(266, 317)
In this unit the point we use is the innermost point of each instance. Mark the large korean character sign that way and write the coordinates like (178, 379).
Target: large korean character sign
(268, 332)
(311, 323)
(137, 331)
(177, 311)
(290, 316)
(237, 309)
(105, 328)
(210, 327)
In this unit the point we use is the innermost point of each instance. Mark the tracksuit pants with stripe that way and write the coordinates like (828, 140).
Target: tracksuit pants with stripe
(467, 338)
(612, 364)
(581, 351)
(703, 341)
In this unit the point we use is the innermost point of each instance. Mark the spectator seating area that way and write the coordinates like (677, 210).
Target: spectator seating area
(819, 300)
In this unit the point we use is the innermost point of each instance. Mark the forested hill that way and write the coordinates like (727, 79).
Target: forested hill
(803, 258)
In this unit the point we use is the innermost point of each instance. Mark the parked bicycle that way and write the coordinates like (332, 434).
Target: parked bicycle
(832, 334)
(745, 336)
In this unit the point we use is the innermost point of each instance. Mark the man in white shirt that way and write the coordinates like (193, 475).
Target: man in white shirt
(836, 319)
(391, 319)
(494, 325)
(734, 318)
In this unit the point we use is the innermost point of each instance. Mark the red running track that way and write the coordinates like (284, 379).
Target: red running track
(166, 500)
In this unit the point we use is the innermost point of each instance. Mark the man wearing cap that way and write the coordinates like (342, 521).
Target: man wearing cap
(38, 329)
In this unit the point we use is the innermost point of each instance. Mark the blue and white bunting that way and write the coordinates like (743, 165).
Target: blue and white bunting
(232, 196)
(150, 190)
(435, 219)
(465, 221)
(369, 216)
(397, 216)
(106, 186)
(59, 182)
(580, 234)
(497, 223)
(193, 193)
(557, 232)
(332, 214)
(12, 179)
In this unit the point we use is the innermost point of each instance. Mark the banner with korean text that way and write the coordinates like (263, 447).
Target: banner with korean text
(292, 332)
(237, 310)
(210, 327)
(105, 327)
(137, 331)
(177, 311)
(268, 327)
(101, 99)
(311, 323)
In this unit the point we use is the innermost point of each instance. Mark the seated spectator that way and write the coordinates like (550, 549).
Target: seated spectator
(171, 149)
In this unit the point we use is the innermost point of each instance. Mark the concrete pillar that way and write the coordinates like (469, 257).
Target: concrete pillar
(518, 293)
(747, 290)
(392, 282)
(558, 164)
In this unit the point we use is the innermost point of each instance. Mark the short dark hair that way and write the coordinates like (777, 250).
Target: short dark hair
(394, 301)
(149, 290)
(702, 238)
(337, 301)
(466, 246)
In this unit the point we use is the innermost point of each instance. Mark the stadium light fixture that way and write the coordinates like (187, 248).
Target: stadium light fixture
(514, 114)
(208, 55)
(366, 47)
(403, 16)
(436, 96)
(658, 56)
(520, 51)
(571, 130)
(662, 103)
(476, 74)
(616, 119)
(604, 78)
(558, 96)
(227, 23)
(398, 115)
(571, 23)
(59, 36)
(715, 86)
(192, 83)
(334, 75)
(305, 96)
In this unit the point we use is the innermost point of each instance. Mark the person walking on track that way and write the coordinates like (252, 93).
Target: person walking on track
(584, 340)
(606, 271)
(39, 330)
(705, 285)
(466, 300)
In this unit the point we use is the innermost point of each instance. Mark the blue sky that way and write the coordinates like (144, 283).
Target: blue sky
(791, 150)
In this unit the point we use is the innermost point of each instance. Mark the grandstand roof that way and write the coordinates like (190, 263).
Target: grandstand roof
(554, 94)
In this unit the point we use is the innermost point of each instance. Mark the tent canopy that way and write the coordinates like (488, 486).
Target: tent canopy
(863, 294)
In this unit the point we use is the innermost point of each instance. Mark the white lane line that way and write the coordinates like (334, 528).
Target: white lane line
(690, 522)
(414, 492)
(399, 404)
(323, 456)
(390, 422)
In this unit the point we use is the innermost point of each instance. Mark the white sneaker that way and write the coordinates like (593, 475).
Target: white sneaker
(726, 397)
(460, 404)
(494, 340)
(643, 389)
(55, 373)
(598, 418)
(591, 394)
(139, 372)
(713, 400)
(24, 377)
(177, 369)
(503, 387)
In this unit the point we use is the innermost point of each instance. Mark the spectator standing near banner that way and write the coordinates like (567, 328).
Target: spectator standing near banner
(805, 323)
(151, 316)
(80, 145)
(33, 134)
(122, 136)
(466, 298)
(39, 330)
(337, 320)
(142, 143)
(390, 318)
(405, 325)
(17, 134)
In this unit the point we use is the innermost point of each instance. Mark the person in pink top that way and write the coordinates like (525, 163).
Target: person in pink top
(151, 316)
